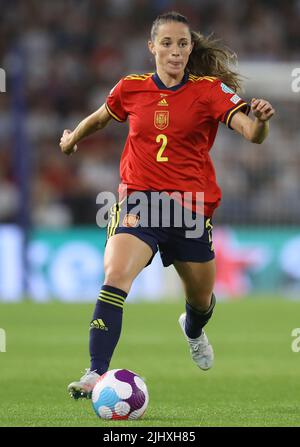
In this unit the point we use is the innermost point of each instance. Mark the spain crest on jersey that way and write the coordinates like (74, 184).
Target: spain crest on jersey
(161, 119)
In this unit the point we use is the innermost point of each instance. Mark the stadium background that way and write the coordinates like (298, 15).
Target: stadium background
(61, 58)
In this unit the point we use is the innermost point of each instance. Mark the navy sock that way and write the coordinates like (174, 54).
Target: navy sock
(196, 320)
(105, 328)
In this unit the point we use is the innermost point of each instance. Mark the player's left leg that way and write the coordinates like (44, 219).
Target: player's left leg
(198, 281)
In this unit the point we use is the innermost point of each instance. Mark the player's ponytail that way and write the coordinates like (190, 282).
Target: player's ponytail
(209, 58)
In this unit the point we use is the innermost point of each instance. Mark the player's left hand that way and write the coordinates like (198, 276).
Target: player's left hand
(262, 109)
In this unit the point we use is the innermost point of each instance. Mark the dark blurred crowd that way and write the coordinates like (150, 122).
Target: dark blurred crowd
(72, 53)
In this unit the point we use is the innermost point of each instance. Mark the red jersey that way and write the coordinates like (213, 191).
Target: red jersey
(171, 131)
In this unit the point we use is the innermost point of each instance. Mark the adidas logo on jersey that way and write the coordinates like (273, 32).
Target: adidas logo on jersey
(162, 102)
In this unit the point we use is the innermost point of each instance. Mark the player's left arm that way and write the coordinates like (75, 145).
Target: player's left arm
(254, 130)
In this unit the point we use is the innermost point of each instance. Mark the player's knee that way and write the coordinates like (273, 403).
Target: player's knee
(118, 278)
(200, 298)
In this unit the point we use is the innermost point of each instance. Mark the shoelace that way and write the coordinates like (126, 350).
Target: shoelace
(199, 346)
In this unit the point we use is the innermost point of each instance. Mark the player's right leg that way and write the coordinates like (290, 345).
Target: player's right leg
(125, 256)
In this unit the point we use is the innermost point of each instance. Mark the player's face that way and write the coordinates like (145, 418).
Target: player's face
(171, 48)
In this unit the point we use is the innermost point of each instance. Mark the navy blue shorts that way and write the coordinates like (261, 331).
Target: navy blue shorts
(172, 242)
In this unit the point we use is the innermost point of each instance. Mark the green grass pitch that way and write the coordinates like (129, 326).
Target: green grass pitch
(254, 382)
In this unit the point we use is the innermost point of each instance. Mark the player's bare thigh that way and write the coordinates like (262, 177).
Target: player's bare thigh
(124, 258)
(198, 279)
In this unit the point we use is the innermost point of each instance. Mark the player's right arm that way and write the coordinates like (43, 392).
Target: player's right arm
(92, 123)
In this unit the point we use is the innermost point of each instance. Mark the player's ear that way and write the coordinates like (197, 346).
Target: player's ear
(151, 47)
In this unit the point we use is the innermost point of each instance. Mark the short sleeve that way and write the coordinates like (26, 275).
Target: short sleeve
(224, 103)
(114, 102)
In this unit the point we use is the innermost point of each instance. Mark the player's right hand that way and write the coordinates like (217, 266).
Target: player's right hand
(66, 143)
(262, 109)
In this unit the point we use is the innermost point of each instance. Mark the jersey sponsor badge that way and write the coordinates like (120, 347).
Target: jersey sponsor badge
(161, 119)
(130, 220)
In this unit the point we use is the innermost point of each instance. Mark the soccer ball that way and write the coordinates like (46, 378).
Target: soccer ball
(120, 394)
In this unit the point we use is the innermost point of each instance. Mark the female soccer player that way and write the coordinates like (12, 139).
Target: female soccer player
(173, 119)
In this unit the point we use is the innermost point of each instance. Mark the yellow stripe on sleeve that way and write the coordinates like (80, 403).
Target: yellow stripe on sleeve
(233, 111)
(113, 114)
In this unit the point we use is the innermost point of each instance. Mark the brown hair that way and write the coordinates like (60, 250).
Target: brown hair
(208, 57)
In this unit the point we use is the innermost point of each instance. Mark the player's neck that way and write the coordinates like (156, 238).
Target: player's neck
(169, 80)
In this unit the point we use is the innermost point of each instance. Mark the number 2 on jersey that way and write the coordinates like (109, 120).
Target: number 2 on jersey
(164, 139)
